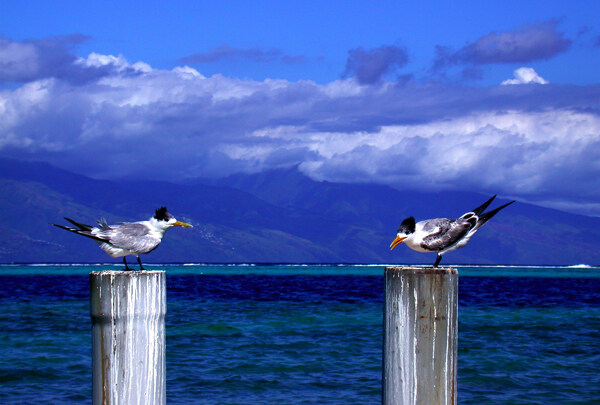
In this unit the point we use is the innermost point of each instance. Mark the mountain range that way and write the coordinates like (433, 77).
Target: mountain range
(279, 216)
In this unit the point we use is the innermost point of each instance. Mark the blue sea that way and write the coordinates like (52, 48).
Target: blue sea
(252, 334)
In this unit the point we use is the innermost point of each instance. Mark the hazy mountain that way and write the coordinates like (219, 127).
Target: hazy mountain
(278, 216)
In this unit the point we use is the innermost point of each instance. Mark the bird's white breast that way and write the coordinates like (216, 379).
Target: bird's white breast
(114, 251)
(415, 240)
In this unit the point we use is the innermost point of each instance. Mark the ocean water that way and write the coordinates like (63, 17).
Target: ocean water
(307, 334)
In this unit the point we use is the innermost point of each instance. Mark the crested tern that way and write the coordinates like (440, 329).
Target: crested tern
(128, 238)
(443, 235)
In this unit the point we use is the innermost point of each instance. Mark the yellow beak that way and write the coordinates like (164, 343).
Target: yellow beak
(396, 242)
(179, 223)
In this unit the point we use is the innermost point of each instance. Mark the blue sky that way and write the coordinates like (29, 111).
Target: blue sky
(496, 97)
(317, 36)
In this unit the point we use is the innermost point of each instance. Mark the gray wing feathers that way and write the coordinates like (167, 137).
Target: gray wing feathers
(445, 232)
(435, 225)
(130, 236)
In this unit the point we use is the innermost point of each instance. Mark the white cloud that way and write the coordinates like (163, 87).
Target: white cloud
(119, 62)
(187, 72)
(525, 75)
(510, 152)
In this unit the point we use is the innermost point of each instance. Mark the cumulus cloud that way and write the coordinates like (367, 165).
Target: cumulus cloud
(30, 60)
(525, 44)
(534, 142)
(228, 53)
(519, 153)
(525, 75)
(369, 66)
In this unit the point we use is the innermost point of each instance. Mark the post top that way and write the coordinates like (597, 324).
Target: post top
(126, 273)
(422, 270)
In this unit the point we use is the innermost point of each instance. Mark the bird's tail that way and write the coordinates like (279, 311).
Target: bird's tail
(82, 229)
(483, 218)
(103, 225)
(477, 211)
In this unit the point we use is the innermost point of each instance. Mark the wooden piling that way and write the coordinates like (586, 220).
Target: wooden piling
(420, 337)
(128, 337)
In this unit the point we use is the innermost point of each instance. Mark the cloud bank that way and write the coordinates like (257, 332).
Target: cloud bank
(369, 66)
(46, 58)
(537, 143)
(525, 44)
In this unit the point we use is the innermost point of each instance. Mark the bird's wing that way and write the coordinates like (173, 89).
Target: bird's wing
(80, 226)
(444, 232)
(132, 236)
(89, 234)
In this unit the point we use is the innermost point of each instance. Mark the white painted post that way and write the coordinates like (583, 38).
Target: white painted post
(128, 311)
(420, 337)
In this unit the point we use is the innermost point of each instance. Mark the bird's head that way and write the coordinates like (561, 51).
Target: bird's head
(404, 230)
(165, 220)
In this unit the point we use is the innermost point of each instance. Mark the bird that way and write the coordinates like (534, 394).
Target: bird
(128, 238)
(443, 235)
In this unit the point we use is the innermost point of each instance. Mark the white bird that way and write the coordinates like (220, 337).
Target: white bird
(443, 235)
(128, 238)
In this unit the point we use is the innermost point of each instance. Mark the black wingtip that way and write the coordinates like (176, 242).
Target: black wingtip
(81, 232)
(82, 227)
(506, 205)
(488, 215)
(64, 227)
(482, 207)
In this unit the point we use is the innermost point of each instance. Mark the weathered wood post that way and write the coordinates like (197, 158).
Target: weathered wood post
(128, 337)
(420, 336)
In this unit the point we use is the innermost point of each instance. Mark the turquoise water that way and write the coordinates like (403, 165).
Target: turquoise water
(307, 334)
(577, 271)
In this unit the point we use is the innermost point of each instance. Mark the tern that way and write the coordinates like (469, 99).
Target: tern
(128, 238)
(443, 235)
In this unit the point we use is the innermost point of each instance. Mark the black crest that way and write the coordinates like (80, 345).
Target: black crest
(407, 226)
(162, 214)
